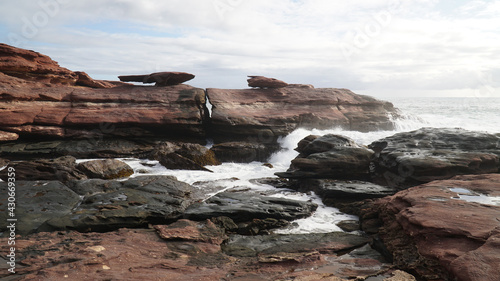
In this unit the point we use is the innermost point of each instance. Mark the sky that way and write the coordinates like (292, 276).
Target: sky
(383, 48)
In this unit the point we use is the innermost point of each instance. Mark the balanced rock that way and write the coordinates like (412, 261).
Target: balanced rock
(265, 82)
(160, 78)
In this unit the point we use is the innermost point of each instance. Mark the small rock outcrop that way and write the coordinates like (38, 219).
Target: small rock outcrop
(161, 79)
(330, 157)
(265, 82)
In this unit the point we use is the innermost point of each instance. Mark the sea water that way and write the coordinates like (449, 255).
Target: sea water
(478, 114)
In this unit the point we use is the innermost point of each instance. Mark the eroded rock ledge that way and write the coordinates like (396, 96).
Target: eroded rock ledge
(41, 100)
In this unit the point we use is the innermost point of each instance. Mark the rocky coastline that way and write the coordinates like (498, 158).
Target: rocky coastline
(428, 200)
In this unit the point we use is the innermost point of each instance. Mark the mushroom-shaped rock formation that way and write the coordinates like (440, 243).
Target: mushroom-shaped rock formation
(265, 82)
(160, 78)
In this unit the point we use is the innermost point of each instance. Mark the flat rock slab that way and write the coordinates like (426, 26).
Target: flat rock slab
(37, 202)
(141, 254)
(411, 158)
(244, 246)
(446, 230)
(160, 78)
(241, 207)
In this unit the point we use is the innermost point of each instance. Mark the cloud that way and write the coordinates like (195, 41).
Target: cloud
(373, 46)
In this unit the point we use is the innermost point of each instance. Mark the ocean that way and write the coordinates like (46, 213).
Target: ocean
(477, 114)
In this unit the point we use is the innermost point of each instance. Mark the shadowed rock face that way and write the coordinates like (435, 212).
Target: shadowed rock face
(439, 229)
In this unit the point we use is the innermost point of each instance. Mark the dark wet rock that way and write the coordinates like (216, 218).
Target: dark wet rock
(330, 156)
(244, 246)
(333, 192)
(265, 82)
(136, 202)
(3, 162)
(443, 230)
(62, 169)
(411, 158)
(184, 156)
(243, 152)
(105, 169)
(37, 202)
(160, 78)
(243, 207)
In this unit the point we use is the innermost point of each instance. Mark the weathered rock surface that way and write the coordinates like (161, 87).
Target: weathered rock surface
(141, 254)
(160, 78)
(445, 229)
(265, 82)
(262, 115)
(8, 136)
(411, 158)
(242, 206)
(61, 169)
(107, 169)
(330, 156)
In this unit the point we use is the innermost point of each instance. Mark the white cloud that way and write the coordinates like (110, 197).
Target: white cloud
(363, 45)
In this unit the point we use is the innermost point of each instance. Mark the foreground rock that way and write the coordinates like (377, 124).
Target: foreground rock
(99, 205)
(443, 230)
(160, 78)
(194, 251)
(411, 158)
(330, 156)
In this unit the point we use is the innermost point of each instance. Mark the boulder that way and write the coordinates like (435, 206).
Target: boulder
(160, 78)
(185, 156)
(330, 156)
(105, 169)
(265, 82)
(244, 207)
(411, 158)
(444, 229)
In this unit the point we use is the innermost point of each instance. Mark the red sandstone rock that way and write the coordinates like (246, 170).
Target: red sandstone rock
(429, 229)
(8, 136)
(160, 78)
(265, 82)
